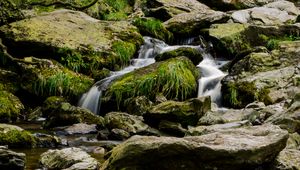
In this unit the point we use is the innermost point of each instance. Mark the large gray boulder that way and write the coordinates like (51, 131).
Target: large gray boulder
(239, 148)
(68, 158)
(11, 160)
(288, 159)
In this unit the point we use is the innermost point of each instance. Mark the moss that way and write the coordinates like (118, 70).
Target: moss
(17, 139)
(9, 12)
(10, 107)
(115, 10)
(174, 78)
(273, 42)
(124, 51)
(153, 27)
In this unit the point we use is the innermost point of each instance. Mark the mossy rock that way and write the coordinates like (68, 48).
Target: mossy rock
(16, 137)
(9, 81)
(154, 28)
(75, 39)
(49, 78)
(10, 107)
(193, 54)
(9, 12)
(176, 78)
(61, 113)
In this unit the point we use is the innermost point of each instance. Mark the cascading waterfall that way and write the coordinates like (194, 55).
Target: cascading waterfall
(209, 83)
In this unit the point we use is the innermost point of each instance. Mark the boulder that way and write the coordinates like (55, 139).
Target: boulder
(138, 105)
(50, 78)
(191, 23)
(186, 113)
(68, 158)
(275, 13)
(9, 12)
(81, 128)
(175, 78)
(193, 54)
(59, 113)
(9, 81)
(165, 9)
(16, 137)
(287, 159)
(79, 41)
(11, 160)
(229, 149)
(129, 123)
(172, 128)
(47, 141)
(10, 107)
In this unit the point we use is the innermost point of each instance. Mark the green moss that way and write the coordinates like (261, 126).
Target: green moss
(153, 27)
(115, 10)
(17, 139)
(9, 12)
(273, 42)
(124, 51)
(10, 107)
(115, 16)
(174, 78)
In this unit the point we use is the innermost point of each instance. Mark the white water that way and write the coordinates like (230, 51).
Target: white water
(209, 84)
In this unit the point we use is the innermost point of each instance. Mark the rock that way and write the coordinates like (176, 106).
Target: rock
(9, 12)
(293, 141)
(68, 158)
(50, 79)
(165, 9)
(275, 13)
(172, 128)
(193, 54)
(47, 141)
(186, 113)
(10, 107)
(191, 23)
(287, 159)
(11, 160)
(230, 149)
(129, 123)
(16, 137)
(175, 78)
(210, 118)
(81, 128)
(59, 113)
(79, 41)
(118, 134)
(9, 81)
(138, 105)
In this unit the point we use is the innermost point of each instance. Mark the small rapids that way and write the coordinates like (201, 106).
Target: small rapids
(209, 83)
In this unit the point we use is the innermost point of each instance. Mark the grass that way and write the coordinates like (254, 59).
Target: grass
(116, 10)
(124, 51)
(72, 59)
(273, 42)
(174, 78)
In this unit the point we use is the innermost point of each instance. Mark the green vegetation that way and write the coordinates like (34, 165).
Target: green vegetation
(116, 10)
(153, 27)
(124, 51)
(16, 138)
(174, 78)
(10, 107)
(273, 42)
(72, 59)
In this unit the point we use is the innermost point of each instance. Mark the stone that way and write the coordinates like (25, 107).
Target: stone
(118, 134)
(287, 159)
(186, 113)
(229, 149)
(293, 141)
(79, 41)
(191, 23)
(11, 160)
(10, 108)
(172, 128)
(9, 81)
(47, 141)
(138, 105)
(81, 128)
(129, 123)
(68, 158)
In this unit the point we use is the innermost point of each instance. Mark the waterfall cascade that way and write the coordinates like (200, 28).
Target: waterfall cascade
(209, 83)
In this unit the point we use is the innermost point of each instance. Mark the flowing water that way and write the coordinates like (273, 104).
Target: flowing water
(209, 83)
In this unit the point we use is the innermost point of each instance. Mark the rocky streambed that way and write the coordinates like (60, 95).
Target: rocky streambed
(150, 84)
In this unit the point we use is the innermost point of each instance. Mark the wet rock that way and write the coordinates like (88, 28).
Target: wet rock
(191, 23)
(47, 141)
(165, 9)
(11, 160)
(193, 54)
(9, 81)
(231, 149)
(79, 41)
(9, 12)
(172, 128)
(138, 105)
(68, 158)
(118, 134)
(287, 159)
(186, 113)
(59, 113)
(16, 137)
(175, 78)
(81, 128)
(129, 123)
(10, 107)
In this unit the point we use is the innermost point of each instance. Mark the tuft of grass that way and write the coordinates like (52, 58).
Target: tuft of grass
(116, 10)
(115, 16)
(124, 51)
(72, 59)
(153, 27)
(273, 42)
(174, 78)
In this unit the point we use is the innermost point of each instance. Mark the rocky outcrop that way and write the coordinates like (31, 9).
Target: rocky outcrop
(276, 13)
(68, 158)
(230, 149)
(61, 113)
(186, 113)
(78, 41)
(11, 160)
(191, 23)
